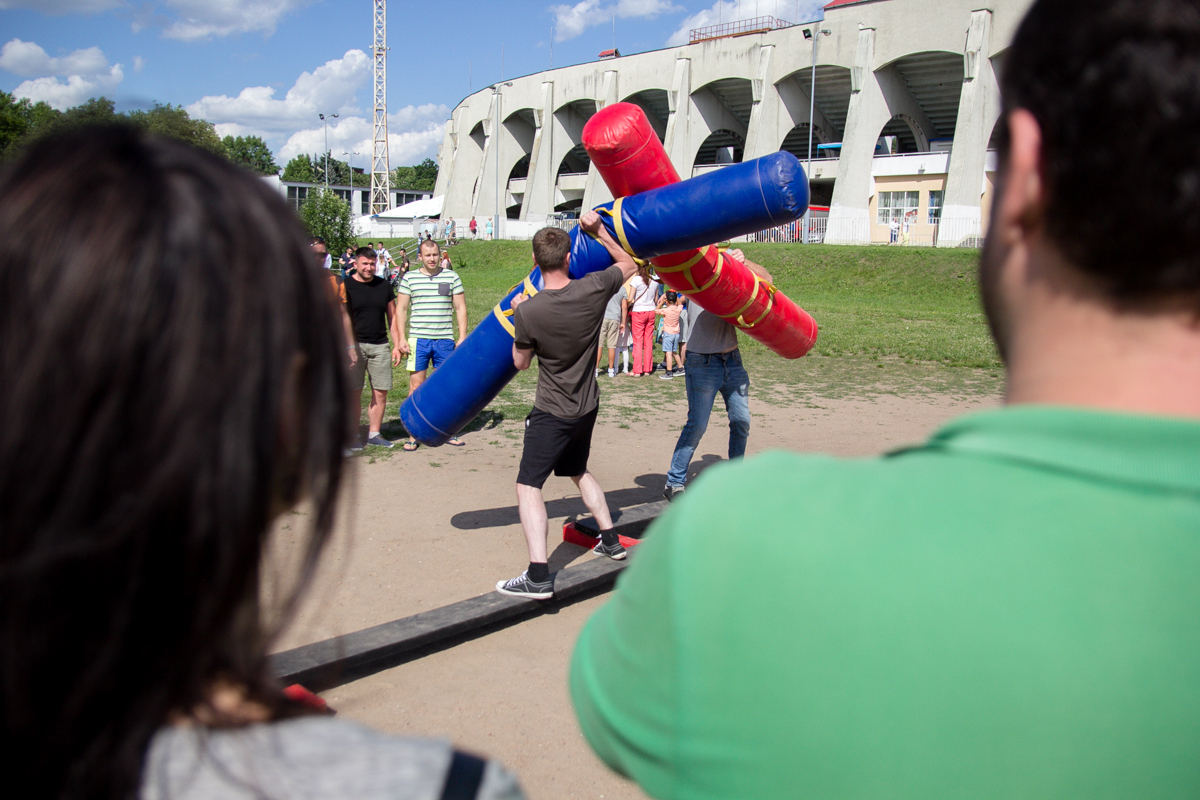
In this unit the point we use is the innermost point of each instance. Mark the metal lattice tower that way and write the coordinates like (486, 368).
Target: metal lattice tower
(380, 178)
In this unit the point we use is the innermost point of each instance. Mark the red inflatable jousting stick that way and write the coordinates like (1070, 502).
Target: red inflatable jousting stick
(630, 158)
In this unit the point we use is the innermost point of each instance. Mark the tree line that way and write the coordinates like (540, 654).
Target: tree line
(311, 169)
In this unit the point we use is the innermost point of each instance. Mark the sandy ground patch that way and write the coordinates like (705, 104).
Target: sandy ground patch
(426, 529)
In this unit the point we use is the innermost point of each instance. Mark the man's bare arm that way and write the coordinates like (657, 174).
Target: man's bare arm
(590, 222)
(460, 311)
(521, 358)
(401, 320)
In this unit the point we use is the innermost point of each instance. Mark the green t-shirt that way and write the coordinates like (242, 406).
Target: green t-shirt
(431, 309)
(1011, 610)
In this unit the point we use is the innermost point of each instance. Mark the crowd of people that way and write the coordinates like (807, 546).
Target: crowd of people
(1005, 611)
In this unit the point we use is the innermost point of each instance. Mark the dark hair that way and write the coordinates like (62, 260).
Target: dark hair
(427, 241)
(672, 296)
(366, 252)
(550, 249)
(1115, 88)
(197, 390)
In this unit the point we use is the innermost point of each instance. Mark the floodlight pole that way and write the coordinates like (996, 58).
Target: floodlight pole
(325, 122)
(812, 108)
(496, 150)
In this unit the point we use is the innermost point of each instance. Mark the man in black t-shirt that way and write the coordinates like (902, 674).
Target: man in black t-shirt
(371, 303)
(561, 325)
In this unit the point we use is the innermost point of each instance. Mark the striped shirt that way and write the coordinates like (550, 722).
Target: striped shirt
(431, 310)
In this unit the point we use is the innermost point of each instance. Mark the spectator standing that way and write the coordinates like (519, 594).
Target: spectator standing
(338, 292)
(450, 237)
(685, 327)
(670, 311)
(561, 326)
(713, 366)
(435, 296)
(611, 328)
(1007, 610)
(640, 294)
(386, 264)
(371, 303)
(132, 565)
(488, 228)
(473, 225)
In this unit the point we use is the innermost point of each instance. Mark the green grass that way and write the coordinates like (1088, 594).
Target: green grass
(894, 320)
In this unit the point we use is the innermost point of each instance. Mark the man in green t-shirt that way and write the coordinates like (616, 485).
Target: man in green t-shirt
(1012, 609)
(436, 299)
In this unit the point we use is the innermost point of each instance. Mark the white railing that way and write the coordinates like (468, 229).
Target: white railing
(941, 233)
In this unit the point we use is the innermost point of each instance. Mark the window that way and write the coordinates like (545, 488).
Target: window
(344, 194)
(896, 205)
(935, 207)
(366, 202)
(296, 195)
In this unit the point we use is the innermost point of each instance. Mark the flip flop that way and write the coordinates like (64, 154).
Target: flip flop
(454, 441)
(411, 445)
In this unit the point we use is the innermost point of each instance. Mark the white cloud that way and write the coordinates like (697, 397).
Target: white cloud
(414, 133)
(203, 19)
(64, 94)
(138, 63)
(62, 6)
(62, 81)
(733, 10)
(570, 21)
(290, 124)
(329, 89)
(30, 60)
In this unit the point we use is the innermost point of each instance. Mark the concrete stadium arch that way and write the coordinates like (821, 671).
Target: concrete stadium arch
(922, 91)
(724, 107)
(656, 104)
(516, 147)
(714, 150)
(831, 100)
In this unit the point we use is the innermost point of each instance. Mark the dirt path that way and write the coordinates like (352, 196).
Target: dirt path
(429, 528)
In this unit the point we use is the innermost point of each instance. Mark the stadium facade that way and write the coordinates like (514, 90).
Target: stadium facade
(905, 105)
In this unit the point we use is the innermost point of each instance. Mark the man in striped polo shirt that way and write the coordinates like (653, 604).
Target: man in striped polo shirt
(437, 300)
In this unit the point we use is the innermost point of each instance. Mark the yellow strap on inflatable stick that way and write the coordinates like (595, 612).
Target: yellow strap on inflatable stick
(619, 227)
(503, 316)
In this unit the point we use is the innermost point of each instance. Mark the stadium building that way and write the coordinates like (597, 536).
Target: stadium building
(899, 99)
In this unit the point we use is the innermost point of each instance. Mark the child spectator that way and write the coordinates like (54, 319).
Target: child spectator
(670, 312)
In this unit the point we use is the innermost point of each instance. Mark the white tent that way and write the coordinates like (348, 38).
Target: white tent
(417, 209)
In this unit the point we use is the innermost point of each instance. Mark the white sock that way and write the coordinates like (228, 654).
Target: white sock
(372, 434)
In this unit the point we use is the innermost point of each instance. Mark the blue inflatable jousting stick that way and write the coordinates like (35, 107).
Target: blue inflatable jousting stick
(733, 201)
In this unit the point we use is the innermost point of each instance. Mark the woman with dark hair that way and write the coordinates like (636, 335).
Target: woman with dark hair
(173, 380)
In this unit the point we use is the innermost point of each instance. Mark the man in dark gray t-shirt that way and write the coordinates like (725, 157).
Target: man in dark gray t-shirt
(713, 364)
(561, 326)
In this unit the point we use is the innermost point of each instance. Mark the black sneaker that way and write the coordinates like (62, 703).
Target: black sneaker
(614, 551)
(521, 586)
(671, 492)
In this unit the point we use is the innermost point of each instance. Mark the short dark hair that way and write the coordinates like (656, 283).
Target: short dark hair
(366, 252)
(427, 241)
(204, 394)
(550, 249)
(1115, 88)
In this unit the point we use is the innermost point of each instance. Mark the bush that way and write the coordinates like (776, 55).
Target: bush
(328, 216)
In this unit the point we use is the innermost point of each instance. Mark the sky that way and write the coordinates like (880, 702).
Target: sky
(269, 67)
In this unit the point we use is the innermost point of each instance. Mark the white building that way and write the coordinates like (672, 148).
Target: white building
(905, 106)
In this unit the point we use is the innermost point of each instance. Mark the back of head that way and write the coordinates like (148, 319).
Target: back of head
(171, 385)
(1115, 88)
(551, 246)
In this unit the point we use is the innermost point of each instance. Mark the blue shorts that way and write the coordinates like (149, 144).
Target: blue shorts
(430, 352)
(670, 343)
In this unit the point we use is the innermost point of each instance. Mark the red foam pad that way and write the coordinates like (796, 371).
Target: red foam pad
(299, 694)
(573, 535)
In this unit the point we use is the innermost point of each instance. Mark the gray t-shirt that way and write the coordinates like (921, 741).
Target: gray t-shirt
(613, 309)
(312, 758)
(562, 327)
(710, 334)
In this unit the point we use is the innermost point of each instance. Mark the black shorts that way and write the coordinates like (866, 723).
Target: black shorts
(554, 444)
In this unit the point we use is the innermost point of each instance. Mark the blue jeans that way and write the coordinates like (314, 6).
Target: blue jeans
(708, 374)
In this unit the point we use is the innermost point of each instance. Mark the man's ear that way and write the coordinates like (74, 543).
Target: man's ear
(567, 263)
(1022, 201)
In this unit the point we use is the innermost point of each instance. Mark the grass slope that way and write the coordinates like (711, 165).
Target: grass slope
(891, 320)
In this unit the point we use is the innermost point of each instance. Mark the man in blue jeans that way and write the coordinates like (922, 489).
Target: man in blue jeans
(713, 364)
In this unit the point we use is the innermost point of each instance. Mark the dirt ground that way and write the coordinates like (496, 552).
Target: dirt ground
(429, 528)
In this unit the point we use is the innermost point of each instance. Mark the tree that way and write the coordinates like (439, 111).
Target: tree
(252, 153)
(174, 122)
(299, 169)
(328, 216)
(422, 177)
